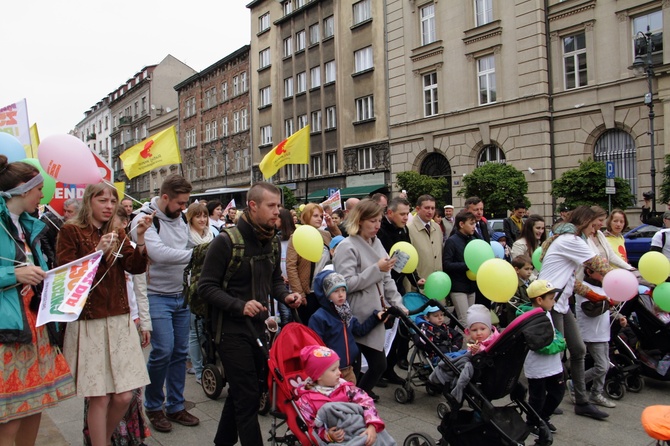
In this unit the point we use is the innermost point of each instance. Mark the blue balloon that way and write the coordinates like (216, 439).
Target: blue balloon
(11, 147)
(498, 250)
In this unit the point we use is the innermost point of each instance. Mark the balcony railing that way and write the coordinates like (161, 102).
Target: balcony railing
(125, 120)
(90, 137)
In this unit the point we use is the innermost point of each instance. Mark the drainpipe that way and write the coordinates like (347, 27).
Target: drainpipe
(550, 87)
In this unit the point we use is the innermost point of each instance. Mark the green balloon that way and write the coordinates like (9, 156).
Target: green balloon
(477, 252)
(536, 258)
(661, 296)
(49, 186)
(437, 286)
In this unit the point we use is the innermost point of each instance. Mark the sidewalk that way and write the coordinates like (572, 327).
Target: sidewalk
(62, 425)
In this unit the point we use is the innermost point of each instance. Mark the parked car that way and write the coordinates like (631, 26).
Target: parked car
(638, 242)
(495, 225)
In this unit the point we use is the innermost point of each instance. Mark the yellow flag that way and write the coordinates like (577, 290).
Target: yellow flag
(120, 189)
(292, 150)
(34, 140)
(159, 150)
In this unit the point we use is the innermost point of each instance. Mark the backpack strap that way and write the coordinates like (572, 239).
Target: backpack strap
(237, 255)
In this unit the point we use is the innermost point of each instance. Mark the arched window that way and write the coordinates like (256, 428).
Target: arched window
(436, 165)
(618, 146)
(491, 154)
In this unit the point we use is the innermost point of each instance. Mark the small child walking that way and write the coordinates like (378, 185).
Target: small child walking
(543, 368)
(323, 400)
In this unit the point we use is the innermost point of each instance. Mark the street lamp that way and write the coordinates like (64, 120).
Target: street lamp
(645, 66)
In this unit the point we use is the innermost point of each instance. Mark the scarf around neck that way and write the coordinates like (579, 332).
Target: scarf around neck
(200, 239)
(262, 233)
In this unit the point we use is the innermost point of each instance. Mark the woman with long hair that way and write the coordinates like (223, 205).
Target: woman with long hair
(103, 346)
(615, 224)
(366, 266)
(533, 234)
(33, 373)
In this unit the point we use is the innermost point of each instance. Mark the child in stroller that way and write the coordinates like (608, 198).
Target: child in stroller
(336, 409)
(446, 338)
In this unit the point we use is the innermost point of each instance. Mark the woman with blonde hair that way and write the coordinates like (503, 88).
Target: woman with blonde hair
(34, 374)
(103, 346)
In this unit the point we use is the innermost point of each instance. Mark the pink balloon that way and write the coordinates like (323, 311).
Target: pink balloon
(620, 285)
(68, 160)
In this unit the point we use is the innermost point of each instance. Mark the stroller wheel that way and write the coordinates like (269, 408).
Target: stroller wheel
(615, 389)
(419, 439)
(442, 410)
(264, 406)
(634, 383)
(403, 395)
(212, 381)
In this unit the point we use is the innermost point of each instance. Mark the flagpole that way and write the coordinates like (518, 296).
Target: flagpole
(307, 185)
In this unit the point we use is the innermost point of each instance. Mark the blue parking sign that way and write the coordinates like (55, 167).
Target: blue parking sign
(609, 169)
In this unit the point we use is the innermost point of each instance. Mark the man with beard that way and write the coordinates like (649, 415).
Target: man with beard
(166, 243)
(243, 295)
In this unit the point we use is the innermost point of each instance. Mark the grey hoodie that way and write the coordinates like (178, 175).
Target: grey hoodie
(167, 251)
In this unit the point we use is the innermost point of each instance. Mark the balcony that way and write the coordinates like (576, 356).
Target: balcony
(90, 137)
(125, 120)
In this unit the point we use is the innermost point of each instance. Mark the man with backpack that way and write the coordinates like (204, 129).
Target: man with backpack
(166, 242)
(239, 304)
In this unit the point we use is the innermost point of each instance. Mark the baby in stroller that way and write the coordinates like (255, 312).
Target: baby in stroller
(446, 338)
(336, 409)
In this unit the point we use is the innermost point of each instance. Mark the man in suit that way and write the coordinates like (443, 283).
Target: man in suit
(426, 237)
(476, 206)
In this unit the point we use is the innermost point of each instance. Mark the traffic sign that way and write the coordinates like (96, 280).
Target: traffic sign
(609, 169)
(610, 190)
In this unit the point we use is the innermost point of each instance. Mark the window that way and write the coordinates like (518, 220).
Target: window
(316, 166)
(430, 94)
(362, 11)
(244, 86)
(236, 122)
(331, 162)
(224, 126)
(315, 77)
(190, 107)
(574, 61)
(236, 86)
(486, 77)
(314, 34)
(302, 121)
(316, 121)
(288, 46)
(244, 117)
(264, 58)
(618, 146)
(491, 154)
(266, 134)
(288, 127)
(144, 108)
(654, 22)
(264, 22)
(329, 68)
(247, 159)
(365, 159)
(427, 14)
(288, 87)
(238, 161)
(190, 138)
(224, 91)
(288, 7)
(483, 12)
(215, 130)
(299, 3)
(300, 41)
(289, 172)
(328, 27)
(301, 82)
(210, 98)
(265, 99)
(365, 108)
(208, 132)
(331, 119)
(363, 59)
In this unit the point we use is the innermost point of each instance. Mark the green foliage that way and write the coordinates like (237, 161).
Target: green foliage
(289, 198)
(416, 185)
(585, 185)
(665, 186)
(500, 186)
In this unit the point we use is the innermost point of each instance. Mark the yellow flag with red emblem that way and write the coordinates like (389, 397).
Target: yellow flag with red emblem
(292, 150)
(158, 150)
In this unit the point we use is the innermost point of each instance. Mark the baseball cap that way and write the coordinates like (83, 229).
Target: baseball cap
(448, 206)
(539, 288)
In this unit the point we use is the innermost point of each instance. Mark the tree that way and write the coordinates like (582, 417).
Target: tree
(416, 185)
(289, 198)
(665, 186)
(585, 185)
(500, 186)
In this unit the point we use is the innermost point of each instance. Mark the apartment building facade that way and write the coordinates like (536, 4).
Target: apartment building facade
(95, 129)
(322, 63)
(215, 122)
(539, 84)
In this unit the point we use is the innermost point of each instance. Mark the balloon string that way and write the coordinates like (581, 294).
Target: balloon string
(124, 194)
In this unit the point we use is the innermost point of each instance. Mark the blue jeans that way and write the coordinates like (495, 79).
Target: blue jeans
(194, 346)
(169, 347)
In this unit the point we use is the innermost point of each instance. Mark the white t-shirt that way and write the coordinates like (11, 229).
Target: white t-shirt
(539, 366)
(657, 240)
(593, 329)
(563, 257)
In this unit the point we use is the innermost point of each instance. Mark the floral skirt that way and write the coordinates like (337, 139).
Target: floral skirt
(33, 377)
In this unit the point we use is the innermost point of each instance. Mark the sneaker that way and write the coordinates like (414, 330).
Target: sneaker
(158, 420)
(184, 418)
(190, 371)
(571, 390)
(600, 400)
(198, 381)
(589, 410)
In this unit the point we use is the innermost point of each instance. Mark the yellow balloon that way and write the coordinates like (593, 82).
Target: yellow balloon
(472, 276)
(308, 243)
(410, 250)
(497, 280)
(301, 207)
(654, 267)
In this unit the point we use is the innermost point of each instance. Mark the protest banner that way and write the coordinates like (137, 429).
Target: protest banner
(334, 201)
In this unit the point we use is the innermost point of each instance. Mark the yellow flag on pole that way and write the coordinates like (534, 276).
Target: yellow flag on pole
(292, 150)
(158, 150)
(120, 189)
(34, 140)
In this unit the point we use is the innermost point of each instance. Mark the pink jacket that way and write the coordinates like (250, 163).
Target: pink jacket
(484, 345)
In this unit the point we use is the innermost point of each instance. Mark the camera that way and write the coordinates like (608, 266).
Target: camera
(649, 195)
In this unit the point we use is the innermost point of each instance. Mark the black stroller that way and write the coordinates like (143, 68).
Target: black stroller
(496, 375)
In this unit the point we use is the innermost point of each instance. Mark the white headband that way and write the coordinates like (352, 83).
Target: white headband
(23, 187)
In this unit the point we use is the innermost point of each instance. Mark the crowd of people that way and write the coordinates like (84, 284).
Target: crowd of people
(137, 300)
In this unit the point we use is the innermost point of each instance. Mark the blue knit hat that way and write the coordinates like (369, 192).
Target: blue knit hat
(498, 235)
